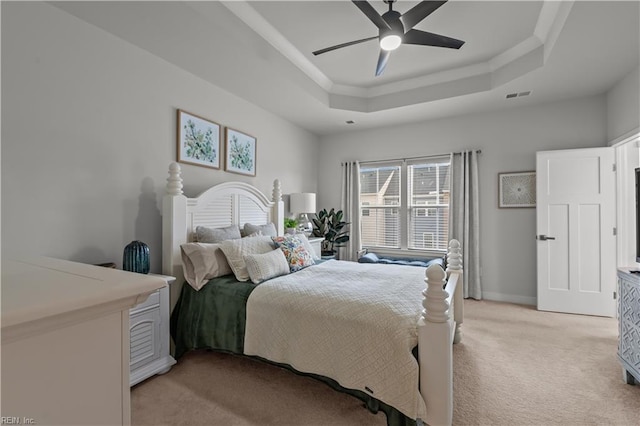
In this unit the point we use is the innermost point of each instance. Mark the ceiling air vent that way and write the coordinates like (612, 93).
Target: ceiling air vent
(518, 94)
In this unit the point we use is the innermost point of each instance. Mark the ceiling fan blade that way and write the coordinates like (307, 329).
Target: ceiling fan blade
(382, 61)
(424, 38)
(338, 46)
(371, 13)
(420, 11)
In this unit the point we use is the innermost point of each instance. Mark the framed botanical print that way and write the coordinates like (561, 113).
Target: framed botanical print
(198, 140)
(517, 189)
(240, 151)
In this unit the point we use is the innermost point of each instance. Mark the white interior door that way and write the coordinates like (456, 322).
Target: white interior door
(576, 243)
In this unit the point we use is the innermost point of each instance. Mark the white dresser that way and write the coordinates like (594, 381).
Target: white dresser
(65, 341)
(149, 330)
(629, 325)
(316, 244)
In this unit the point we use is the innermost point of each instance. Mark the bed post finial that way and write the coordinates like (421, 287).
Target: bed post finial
(277, 191)
(435, 302)
(454, 257)
(277, 214)
(454, 266)
(174, 181)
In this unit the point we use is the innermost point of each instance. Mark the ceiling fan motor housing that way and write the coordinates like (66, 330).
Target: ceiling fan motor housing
(392, 18)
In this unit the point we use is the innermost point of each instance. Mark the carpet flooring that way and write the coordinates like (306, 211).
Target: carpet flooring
(514, 366)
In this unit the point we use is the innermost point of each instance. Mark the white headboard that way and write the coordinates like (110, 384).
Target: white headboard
(221, 205)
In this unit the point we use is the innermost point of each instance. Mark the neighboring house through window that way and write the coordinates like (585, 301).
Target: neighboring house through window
(394, 197)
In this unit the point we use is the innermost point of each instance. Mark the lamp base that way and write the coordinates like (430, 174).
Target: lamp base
(304, 224)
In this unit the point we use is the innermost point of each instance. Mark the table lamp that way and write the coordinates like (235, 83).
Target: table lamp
(301, 204)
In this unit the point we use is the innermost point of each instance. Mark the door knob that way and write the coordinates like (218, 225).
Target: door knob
(543, 237)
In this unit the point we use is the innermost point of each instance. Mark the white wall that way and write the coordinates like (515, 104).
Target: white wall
(509, 140)
(89, 129)
(623, 106)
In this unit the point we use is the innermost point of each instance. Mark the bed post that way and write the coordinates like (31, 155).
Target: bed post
(435, 332)
(277, 214)
(434, 350)
(174, 228)
(454, 266)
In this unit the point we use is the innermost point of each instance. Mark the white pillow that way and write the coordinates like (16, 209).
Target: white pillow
(261, 267)
(217, 235)
(269, 229)
(235, 250)
(202, 262)
(307, 246)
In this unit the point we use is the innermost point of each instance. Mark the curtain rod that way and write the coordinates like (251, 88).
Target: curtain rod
(477, 151)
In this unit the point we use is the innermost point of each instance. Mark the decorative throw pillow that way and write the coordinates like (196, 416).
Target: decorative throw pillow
(262, 267)
(293, 249)
(268, 229)
(202, 262)
(217, 235)
(235, 250)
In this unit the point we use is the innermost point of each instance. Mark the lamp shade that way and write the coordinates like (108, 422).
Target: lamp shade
(304, 202)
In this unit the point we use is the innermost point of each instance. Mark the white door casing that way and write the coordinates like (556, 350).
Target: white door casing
(576, 244)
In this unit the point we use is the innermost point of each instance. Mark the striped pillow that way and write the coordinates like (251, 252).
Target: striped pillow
(262, 267)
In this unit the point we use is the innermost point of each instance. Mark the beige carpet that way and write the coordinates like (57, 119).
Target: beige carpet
(514, 366)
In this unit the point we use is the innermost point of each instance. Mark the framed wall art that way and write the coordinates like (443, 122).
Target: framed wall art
(517, 189)
(198, 140)
(240, 152)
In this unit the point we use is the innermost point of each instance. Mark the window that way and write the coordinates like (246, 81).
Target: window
(379, 201)
(405, 204)
(427, 240)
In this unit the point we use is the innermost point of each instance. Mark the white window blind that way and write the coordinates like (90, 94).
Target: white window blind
(379, 203)
(428, 185)
(405, 204)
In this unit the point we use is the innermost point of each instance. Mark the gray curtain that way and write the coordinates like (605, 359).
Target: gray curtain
(350, 205)
(464, 221)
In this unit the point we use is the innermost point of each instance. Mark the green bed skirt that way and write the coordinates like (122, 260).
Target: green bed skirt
(215, 317)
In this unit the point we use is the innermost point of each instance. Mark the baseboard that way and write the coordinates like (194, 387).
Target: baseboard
(500, 297)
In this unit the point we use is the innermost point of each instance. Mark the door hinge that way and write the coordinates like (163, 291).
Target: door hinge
(615, 231)
(615, 295)
(614, 167)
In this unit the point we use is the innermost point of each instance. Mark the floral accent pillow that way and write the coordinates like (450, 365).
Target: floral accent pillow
(297, 255)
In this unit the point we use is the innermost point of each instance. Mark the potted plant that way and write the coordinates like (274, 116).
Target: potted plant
(290, 225)
(332, 228)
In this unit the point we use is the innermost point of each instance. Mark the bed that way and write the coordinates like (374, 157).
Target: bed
(302, 320)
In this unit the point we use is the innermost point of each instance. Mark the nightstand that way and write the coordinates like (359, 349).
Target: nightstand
(149, 332)
(316, 244)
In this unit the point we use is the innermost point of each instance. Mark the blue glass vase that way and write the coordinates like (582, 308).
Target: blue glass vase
(136, 257)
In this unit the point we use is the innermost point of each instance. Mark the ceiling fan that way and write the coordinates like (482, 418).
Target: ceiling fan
(391, 30)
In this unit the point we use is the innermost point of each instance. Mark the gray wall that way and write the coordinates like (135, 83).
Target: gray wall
(623, 106)
(88, 132)
(509, 140)
(89, 128)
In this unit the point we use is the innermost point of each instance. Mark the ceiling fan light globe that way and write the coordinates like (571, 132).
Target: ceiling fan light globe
(390, 42)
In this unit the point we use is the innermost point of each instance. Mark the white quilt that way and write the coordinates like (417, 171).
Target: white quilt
(352, 322)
